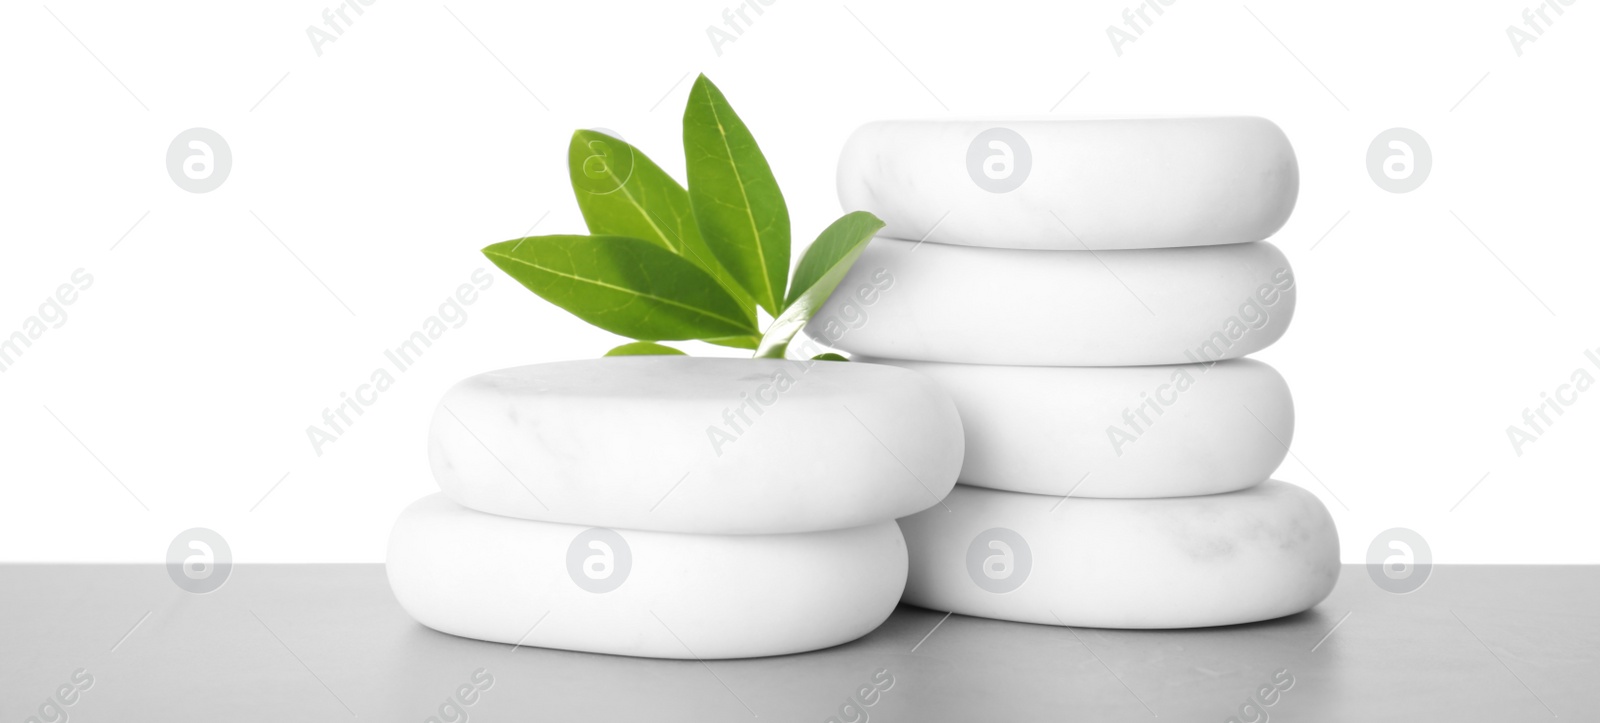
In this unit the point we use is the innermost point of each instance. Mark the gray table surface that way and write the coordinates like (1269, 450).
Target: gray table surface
(329, 643)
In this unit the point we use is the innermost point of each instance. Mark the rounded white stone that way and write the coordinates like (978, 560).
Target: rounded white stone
(651, 594)
(1120, 432)
(936, 302)
(1259, 553)
(701, 445)
(1073, 184)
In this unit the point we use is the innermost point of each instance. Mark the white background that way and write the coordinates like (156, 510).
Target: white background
(202, 351)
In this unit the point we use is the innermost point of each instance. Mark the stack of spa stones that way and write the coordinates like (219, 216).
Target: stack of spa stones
(1086, 291)
(605, 506)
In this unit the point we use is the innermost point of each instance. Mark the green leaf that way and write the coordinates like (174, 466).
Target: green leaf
(736, 201)
(825, 262)
(830, 356)
(621, 192)
(626, 286)
(644, 348)
(737, 342)
(821, 269)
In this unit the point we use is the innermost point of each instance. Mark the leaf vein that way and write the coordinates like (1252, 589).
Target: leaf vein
(625, 290)
(761, 253)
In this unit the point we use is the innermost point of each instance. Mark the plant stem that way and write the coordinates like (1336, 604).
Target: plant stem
(776, 351)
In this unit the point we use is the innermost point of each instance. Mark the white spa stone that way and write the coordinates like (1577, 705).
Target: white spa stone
(1239, 557)
(1120, 432)
(702, 445)
(1115, 183)
(651, 594)
(936, 302)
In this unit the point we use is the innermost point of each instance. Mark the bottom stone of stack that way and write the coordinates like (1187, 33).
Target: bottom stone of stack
(650, 594)
(1255, 554)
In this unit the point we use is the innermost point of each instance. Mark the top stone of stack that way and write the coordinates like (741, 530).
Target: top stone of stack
(1133, 183)
(697, 445)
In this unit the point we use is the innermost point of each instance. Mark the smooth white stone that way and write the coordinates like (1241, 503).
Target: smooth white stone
(1116, 184)
(935, 302)
(680, 596)
(628, 442)
(1239, 557)
(1119, 432)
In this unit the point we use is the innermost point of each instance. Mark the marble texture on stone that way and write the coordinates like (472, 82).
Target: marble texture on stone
(679, 596)
(701, 445)
(1096, 184)
(1118, 432)
(936, 302)
(1239, 557)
